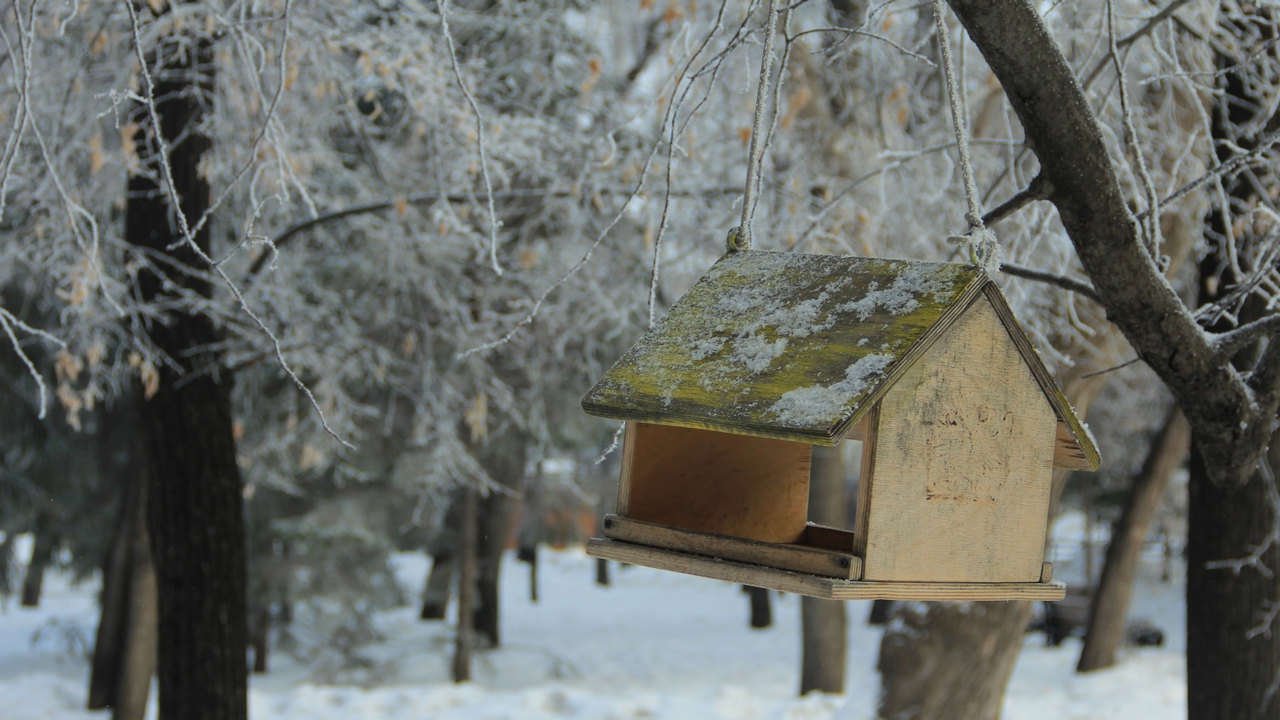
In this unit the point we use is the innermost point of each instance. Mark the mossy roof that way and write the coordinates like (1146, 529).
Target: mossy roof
(795, 346)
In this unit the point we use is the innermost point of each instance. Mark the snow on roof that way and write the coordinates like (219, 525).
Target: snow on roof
(783, 344)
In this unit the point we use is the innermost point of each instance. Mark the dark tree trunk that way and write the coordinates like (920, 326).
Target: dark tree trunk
(496, 514)
(464, 639)
(949, 660)
(435, 593)
(528, 553)
(260, 637)
(196, 507)
(504, 460)
(1110, 603)
(824, 623)
(761, 607)
(42, 550)
(1233, 666)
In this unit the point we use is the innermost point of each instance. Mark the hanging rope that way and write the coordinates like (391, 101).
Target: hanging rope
(740, 237)
(982, 244)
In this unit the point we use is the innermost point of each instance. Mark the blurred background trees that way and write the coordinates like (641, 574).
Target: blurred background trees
(430, 225)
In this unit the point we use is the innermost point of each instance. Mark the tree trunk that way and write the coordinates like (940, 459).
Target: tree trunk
(504, 460)
(1233, 665)
(42, 550)
(1110, 603)
(463, 640)
(949, 660)
(435, 593)
(141, 629)
(260, 637)
(497, 512)
(196, 506)
(824, 623)
(761, 608)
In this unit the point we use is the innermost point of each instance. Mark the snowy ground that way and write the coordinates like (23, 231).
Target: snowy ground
(654, 645)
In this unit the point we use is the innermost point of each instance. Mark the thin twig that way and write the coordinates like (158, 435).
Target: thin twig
(8, 321)
(481, 142)
(1151, 222)
(425, 198)
(755, 154)
(1076, 286)
(1227, 344)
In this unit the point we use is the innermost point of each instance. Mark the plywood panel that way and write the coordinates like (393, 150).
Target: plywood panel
(962, 464)
(815, 586)
(748, 487)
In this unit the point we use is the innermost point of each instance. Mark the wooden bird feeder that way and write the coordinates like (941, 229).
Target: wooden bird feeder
(771, 353)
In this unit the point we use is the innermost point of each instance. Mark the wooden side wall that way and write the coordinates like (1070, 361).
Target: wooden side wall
(746, 487)
(958, 479)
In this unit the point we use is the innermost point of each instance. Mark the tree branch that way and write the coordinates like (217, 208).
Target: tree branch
(1066, 136)
(1066, 283)
(1229, 343)
(426, 198)
(1039, 189)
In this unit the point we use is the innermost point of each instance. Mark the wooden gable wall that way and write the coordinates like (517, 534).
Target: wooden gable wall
(958, 468)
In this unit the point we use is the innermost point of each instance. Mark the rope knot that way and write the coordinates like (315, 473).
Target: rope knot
(983, 247)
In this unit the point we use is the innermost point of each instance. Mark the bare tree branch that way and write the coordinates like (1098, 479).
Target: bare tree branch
(1076, 286)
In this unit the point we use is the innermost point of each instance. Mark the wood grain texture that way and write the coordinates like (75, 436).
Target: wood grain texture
(801, 558)
(962, 466)
(737, 485)
(813, 585)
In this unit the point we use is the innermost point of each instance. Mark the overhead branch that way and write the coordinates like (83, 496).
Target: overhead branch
(427, 198)
(1067, 138)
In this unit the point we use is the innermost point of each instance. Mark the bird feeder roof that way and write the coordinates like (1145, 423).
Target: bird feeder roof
(799, 347)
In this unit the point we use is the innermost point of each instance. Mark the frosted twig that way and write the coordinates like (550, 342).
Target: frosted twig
(269, 127)
(613, 444)
(582, 262)
(188, 238)
(675, 129)
(443, 5)
(1151, 222)
(863, 33)
(755, 155)
(1066, 283)
(9, 321)
(21, 79)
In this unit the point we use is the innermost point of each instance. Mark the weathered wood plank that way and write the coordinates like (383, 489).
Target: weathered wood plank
(812, 560)
(959, 490)
(813, 585)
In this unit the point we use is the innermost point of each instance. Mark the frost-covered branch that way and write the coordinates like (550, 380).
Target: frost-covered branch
(481, 142)
(8, 321)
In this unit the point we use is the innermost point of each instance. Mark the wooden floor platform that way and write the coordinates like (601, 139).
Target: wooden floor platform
(814, 585)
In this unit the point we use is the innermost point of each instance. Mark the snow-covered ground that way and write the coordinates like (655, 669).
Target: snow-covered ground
(653, 645)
